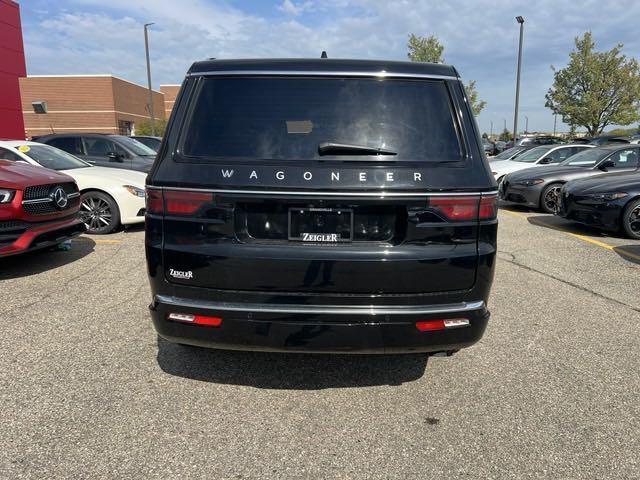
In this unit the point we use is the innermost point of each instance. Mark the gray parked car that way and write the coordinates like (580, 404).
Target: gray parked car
(539, 187)
(104, 150)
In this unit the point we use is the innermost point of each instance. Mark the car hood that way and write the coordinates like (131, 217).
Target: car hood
(503, 167)
(17, 176)
(547, 172)
(613, 182)
(104, 177)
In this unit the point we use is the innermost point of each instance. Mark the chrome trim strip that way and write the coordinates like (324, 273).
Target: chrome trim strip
(37, 200)
(322, 309)
(321, 73)
(48, 199)
(326, 193)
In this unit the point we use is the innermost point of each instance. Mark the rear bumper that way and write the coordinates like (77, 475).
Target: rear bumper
(43, 235)
(319, 328)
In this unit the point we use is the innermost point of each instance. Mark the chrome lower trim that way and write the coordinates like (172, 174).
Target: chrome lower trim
(322, 309)
(48, 199)
(326, 193)
(320, 73)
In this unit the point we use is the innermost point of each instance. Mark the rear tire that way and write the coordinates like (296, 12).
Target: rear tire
(99, 212)
(549, 198)
(631, 219)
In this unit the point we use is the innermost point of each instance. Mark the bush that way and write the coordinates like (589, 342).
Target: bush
(144, 127)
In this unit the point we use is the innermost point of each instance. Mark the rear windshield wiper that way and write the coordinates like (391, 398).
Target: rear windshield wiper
(329, 148)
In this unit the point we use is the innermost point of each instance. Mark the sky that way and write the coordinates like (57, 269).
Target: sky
(480, 38)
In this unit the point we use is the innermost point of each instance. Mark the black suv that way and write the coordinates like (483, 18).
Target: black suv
(104, 150)
(321, 206)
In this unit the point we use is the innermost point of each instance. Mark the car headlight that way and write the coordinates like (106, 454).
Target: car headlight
(606, 197)
(6, 195)
(138, 192)
(531, 182)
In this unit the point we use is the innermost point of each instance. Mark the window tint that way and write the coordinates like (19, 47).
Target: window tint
(625, 158)
(561, 154)
(100, 147)
(9, 155)
(586, 158)
(71, 145)
(288, 118)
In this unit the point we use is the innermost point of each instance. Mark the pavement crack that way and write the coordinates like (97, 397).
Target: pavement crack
(515, 262)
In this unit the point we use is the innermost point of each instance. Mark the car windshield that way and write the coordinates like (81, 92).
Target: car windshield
(135, 146)
(293, 118)
(507, 154)
(51, 157)
(586, 158)
(532, 155)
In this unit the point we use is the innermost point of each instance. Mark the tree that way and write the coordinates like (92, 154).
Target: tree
(429, 49)
(505, 136)
(144, 127)
(596, 89)
(425, 49)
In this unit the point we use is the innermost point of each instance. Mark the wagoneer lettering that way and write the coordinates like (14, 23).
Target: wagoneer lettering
(310, 209)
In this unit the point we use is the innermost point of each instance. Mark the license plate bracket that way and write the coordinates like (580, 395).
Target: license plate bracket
(321, 225)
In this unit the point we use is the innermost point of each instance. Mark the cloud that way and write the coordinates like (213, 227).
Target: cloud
(93, 36)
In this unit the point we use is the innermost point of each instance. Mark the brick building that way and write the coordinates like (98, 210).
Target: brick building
(86, 103)
(12, 67)
(170, 92)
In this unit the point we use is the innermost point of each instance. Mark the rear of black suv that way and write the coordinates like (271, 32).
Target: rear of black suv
(321, 206)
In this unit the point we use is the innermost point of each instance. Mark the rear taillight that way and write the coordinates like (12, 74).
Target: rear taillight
(176, 202)
(154, 201)
(488, 207)
(465, 208)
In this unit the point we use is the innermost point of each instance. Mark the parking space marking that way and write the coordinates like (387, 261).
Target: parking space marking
(106, 240)
(580, 237)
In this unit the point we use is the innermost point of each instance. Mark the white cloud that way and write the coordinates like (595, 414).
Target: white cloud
(480, 40)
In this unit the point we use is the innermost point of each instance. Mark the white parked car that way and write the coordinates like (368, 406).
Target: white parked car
(536, 157)
(110, 196)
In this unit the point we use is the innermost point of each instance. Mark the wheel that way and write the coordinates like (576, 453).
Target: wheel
(631, 219)
(549, 198)
(99, 212)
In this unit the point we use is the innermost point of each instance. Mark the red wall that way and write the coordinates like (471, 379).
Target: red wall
(12, 66)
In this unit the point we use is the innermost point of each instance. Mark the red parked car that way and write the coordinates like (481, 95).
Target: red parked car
(38, 208)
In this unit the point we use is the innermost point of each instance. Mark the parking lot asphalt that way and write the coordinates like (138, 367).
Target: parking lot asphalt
(551, 391)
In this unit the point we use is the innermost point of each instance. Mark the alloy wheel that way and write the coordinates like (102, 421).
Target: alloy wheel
(551, 199)
(95, 213)
(634, 220)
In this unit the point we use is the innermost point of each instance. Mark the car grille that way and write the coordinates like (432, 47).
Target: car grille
(42, 192)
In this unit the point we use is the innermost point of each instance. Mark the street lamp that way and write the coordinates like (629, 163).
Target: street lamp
(520, 20)
(146, 49)
(526, 125)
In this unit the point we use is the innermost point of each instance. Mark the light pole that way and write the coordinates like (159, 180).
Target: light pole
(526, 125)
(146, 49)
(491, 130)
(520, 20)
(555, 119)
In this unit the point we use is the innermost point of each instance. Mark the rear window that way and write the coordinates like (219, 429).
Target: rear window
(289, 118)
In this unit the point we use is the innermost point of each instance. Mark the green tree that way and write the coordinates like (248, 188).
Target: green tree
(505, 136)
(429, 49)
(144, 127)
(596, 89)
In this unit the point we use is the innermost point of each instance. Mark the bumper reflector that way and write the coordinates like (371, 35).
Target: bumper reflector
(430, 325)
(196, 319)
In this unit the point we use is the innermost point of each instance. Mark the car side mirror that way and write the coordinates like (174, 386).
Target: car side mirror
(546, 161)
(115, 157)
(606, 164)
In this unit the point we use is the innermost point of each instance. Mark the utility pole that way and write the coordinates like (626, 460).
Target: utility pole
(520, 20)
(526, 125)
(491, 130)
(555, 119)
(146, 49)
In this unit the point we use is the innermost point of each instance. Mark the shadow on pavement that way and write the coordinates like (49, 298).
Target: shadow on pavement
(631, 253)
(32, 263)
(288, 370)
(559, 223)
